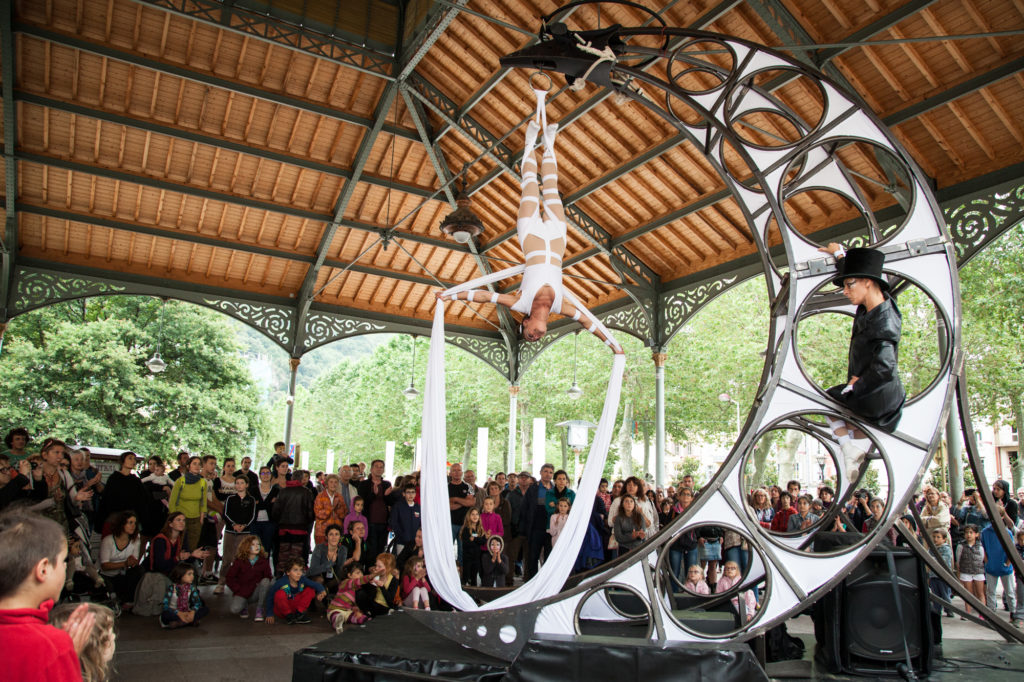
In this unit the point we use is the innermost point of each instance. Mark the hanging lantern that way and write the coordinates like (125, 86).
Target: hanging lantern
(462, 224)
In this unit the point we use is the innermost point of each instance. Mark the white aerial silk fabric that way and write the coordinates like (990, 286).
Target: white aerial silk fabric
(436, 521)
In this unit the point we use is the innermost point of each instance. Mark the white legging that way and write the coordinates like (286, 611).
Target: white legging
(419, 595)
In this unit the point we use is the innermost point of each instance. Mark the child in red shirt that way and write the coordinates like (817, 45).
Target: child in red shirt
(32, 572)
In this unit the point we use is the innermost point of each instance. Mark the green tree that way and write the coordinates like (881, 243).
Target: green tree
(76, 370)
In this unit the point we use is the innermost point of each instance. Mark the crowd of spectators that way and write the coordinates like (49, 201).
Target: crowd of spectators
(280, 545)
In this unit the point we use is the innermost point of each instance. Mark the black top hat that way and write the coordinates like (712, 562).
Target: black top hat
(861, 263)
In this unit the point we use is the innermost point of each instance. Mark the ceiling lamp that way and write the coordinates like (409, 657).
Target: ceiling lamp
(156, 364)
(462, 224)
(410, 391)
(574, 391)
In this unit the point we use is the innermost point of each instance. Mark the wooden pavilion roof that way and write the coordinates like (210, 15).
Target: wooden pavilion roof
(261, 147)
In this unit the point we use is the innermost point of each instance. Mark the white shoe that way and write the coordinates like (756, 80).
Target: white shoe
(853, 458)
(550, 130)
(532, 129)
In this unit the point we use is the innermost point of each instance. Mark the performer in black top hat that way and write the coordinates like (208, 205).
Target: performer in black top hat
(873, 389)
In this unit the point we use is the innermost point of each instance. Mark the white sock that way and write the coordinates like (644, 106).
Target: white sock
(845, 438)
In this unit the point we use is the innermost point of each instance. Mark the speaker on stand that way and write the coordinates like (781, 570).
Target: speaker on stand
(857, 625)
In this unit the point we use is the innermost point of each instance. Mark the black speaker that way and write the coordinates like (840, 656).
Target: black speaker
(858, 628)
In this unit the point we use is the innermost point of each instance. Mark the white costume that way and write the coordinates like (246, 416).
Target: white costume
(547, 270)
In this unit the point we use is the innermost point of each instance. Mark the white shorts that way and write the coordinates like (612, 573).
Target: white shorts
(972, 577)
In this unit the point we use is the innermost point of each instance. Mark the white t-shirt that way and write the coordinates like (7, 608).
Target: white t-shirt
(109, 553)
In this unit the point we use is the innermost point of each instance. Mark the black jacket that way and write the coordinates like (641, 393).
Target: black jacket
(878, 395)
(293, 508)
(529, 514)
(241, 511)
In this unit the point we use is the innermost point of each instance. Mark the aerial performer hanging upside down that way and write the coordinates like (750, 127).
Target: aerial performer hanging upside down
(872, 389)
(541, 229)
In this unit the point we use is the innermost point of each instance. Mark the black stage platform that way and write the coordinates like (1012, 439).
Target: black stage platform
(397, 647)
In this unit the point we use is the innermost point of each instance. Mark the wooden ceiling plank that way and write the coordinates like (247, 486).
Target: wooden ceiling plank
(243, 221)
(191, 163)
(67, 237)
(972, 129)
(266, 65)
(223, 218)
(136, 27)
(231, 263)
(983, 24)
(46, 129)
(1004, 116)
(97, 138)
(190, 43)
(234, 173)
(168, 159)
(191, 256)
(312, 138)
(292, 199)
(149, 256)
(951, 47)
(138, 202)
(295, 129)
(944, 143)
(47, 65)
(75, 74)
(88, 241)
(248, 122)
(312, 76)
(215, 54)
(69, 190)
(227, 114)
(164, 33)
(156, 94)
(248, 268)
(160, 206)
(128, 89)
(242, 57)
(262, 227)
(46, 183)
(915, 58)
(131, 248)
(314, 196)
(213, 167)
(110, 246)
(886, 73)
(677, 253)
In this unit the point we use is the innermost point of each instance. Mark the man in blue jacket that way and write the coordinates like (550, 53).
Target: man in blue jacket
(533, 520)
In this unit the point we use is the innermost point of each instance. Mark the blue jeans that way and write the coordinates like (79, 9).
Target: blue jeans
(739, 555)
(456, 529)
(266, 531)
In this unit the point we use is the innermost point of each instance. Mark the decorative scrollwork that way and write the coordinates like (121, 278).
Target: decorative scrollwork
(274, 321)
(492, 351)
(977, 222)
(321, 328)
(528, 351)
(35, 289)
(680, 307)
(632, 320)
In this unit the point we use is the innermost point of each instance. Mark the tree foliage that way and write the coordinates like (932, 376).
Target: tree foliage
(76, 370)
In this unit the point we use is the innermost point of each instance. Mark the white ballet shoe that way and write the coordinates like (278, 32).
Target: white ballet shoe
(853, 458)
(550, 131)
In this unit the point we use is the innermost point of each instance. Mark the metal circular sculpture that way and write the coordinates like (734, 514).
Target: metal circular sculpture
(718, 91)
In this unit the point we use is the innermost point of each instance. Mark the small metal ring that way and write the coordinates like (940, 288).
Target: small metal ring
(540, 73)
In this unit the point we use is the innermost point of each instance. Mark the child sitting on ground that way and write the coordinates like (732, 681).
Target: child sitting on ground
(82, 576)
(343, 608)
(695, 582)
(98, 651)
(32, 568)
(415, 588)
(355, 515)
(380, 595)
(249, 577)
(182, 603)
(291, 596)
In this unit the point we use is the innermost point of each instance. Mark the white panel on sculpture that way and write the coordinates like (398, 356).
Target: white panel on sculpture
(557, 618)
(919, 417)
(931, 273)
(920, 223)
(598, 608)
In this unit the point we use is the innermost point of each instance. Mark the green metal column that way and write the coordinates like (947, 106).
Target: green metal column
(294, 363)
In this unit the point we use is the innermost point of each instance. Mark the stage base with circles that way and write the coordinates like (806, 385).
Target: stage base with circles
(397, 647)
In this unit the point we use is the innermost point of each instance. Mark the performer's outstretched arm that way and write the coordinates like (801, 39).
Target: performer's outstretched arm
(480, 296)
(569, 310)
